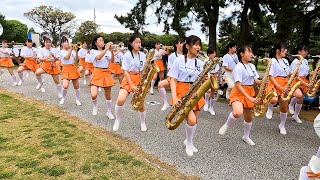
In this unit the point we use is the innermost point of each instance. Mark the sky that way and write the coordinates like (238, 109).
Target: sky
(83, 9)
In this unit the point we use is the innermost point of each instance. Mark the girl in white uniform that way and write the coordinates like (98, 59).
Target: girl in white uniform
(178, 46)
(209, 96)
(68, 57)
(296, 102)
(89, 67)
(157, 58)
(48, 57)
(101, 76)
(116, 66)
(6, 61)
(184, 71)
(230, 60)
(132, 64)
(82, 62)
(242, 95)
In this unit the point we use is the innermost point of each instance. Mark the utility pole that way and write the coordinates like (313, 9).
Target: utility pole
(94, 15)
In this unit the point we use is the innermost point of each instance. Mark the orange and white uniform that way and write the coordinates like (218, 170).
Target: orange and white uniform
(302, 72)
(49, 66)
(133, 64)
(246, 74)
(101, 75)
(82, 54)
(30, 61)
(186, 71)
(5, 60)
(69, 70)
(115, 67)
(280, 71)
(171, 60)
(158, 61)
(89, 62)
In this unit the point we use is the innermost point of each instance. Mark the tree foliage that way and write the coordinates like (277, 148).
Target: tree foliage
(13, 30)
(86, 31)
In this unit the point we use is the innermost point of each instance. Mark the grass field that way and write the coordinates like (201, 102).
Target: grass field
(40, 142)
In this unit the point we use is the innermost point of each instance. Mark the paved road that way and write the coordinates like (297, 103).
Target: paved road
(220, 157)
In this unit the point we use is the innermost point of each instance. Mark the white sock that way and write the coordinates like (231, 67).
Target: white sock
(109, 105)
(21, 76)
(39, 78)
(212, 104)
(189, 134)
(318, 153)
(163, 95)
(206, 97)
(246, 127)
(14, 77)
(270, 107)
(283, 118)
(231, 119)
(142, 117)
(77, 94)
(94, 103)
(64, 93)
(118, 111)
(59, 88)
(293, 101)
(297, 110)
(152, 84)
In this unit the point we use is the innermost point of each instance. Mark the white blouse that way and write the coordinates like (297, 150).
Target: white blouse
(71, 60)
(279, 67)
(246, 74)
(133, 62)
(303, 69)
(103, 62)
(230, 60)
(157, 52)
(43, 53)
(172, 58)
(8, 50)
(82, 53)
(118, 57)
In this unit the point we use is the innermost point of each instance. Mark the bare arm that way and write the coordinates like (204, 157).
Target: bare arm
(228, 68)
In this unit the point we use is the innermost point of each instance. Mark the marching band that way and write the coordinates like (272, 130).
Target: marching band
(101, 63)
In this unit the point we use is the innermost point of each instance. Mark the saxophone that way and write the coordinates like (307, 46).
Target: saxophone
(260, 110)
(148, 71)
(192, 96)
(293, 88)
(314, 82)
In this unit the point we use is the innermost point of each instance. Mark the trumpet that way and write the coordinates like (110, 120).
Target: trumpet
(168, 47)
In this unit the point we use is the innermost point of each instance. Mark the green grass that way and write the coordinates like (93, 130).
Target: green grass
(37, 142)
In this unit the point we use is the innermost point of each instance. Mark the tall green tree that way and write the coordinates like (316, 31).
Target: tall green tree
(86, 31)
(8, 31)
(52, 19)
(20, 31)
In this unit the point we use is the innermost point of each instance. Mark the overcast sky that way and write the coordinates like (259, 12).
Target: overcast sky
(83, 9)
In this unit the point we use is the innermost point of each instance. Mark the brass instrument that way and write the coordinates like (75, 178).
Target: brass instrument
(294, 74)
(147, 74)
(192, 96)
(168, 47)
(314, 82)
(219, 92)
(259, 110)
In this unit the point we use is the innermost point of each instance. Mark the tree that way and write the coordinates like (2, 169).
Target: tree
(8, 31)
(86, 31)
(52, 20)
(20, 31)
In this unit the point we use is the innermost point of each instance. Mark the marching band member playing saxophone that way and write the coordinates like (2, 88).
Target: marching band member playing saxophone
(159, 62)
(178, 47)
(48, 56)
(30, 63)
(82, 62)
(6, 61)
(242, 95)
(101, 76)
(296, 103)
(132, 65)
(69, 56)
(209, 96)
(183, 73)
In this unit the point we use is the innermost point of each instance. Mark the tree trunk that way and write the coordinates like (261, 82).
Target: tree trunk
(244, 33)
(306, 31)
(213, 21)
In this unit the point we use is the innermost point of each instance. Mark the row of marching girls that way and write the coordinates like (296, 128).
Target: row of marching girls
(242, 96)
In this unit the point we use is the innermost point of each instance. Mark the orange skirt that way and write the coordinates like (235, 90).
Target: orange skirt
(6, 62)
(281, 81)
(70, 72)
(59, 63)
(90, 67)
(31, 64)
(304, 89)
(135, 79)
(182, 88)
(101, 78)
(160, 65)
(82, 63)
(115, 68)
(50, 68)
(236, 95)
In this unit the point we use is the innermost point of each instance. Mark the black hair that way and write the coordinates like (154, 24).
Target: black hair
(231, 45)
(63, 40)
(95, 38)
(180, 40)
(276, 47)
(210, 51)
(131, 39)
(156, 42)
(191, 40)
(300, 47)
(242, 49)
(29, 40)
(4, 41)
(34, 44)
